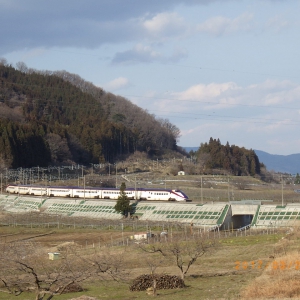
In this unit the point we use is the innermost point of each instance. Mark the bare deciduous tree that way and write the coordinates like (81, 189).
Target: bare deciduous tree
(184, 253)
(21, 66)
(153, 263)
(25, 268)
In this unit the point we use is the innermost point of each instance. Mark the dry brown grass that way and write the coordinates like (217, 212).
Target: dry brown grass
(279, 280)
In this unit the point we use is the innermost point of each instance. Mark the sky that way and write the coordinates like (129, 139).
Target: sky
(224, 69)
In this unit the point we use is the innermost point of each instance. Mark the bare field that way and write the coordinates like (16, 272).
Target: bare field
(238, 268)
(221, 274)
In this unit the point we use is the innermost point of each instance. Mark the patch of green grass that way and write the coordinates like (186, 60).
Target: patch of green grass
(225, 287)
(251, 240)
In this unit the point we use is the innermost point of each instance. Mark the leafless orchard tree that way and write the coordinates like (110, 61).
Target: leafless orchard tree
(25, 268)
(153, 263)
(183, 253)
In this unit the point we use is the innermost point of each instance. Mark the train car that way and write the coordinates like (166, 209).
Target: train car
(146, 194)
(37, 190)
(26, 190)
(163, 195)
(98, 193)
(92, 193)
(59, 191)
(18, 189)
(12, 189)
(113, 193)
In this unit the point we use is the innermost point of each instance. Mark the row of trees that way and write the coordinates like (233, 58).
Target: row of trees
(235, 160)
(21, 143)
(75, 120)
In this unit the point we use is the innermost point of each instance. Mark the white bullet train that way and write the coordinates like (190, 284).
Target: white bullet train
(97, 193)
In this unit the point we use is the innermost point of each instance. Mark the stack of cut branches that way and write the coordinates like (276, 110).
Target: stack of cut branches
(163, 282)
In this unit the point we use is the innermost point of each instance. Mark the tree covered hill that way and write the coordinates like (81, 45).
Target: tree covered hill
(231, 158)
(55, 117)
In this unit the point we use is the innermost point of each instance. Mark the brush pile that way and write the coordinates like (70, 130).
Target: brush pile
(163, 282)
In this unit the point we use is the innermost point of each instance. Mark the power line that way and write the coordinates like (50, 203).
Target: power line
(231, 70)
(169, 99)
(57, 102)
(214, 102)
(232, 118)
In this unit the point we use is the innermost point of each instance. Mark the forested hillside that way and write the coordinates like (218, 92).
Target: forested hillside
(233, 159)
(55, 117)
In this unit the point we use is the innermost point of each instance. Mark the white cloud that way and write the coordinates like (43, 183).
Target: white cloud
(165, 25)
(213, 95)
(55, 23)
(275, 92)
(203, 92)
(116, 84)
(146, 54)
(267, 102)
(221, 25)
(254, 110)
(33, 53)
(139, 53)
(277, 23)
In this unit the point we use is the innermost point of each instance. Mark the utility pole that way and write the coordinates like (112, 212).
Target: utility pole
(228, 189)
(135, 196)
(84, 187)
(116, 177)
(281, 190)
(201, 191)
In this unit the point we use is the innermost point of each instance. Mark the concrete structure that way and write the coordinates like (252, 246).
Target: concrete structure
(221, 215)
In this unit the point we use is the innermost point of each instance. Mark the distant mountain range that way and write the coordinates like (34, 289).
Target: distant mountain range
(280, 163)
(273, 162)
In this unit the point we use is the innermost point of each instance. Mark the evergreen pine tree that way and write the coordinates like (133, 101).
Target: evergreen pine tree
(297, 179)
(123, 203)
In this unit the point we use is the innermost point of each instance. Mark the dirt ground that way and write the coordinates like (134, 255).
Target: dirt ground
(53, 240)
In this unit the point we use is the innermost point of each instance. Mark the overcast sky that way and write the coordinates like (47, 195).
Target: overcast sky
(225, 69)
